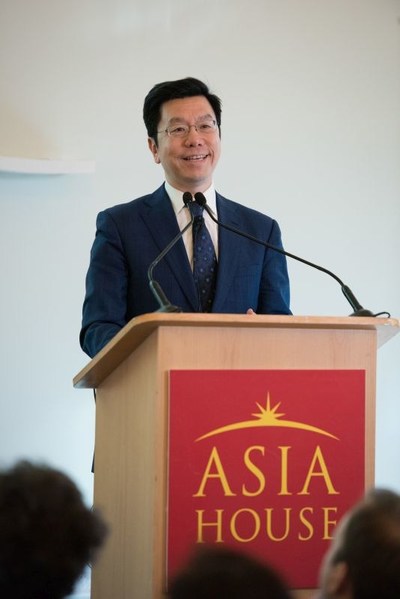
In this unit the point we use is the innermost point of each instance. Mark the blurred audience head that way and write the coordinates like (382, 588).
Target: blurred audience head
(217, 573)
(363, 561)
(47, 534)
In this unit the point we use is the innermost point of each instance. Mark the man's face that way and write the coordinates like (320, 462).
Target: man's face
(188, 161)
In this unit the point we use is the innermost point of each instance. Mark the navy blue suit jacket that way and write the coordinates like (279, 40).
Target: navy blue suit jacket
(130, 236)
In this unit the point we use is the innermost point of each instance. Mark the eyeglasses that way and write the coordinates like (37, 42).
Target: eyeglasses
(182, 130)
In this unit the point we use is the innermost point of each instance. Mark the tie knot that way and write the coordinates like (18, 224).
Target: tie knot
(196, 209)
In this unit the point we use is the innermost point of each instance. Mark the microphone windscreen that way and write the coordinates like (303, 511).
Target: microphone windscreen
(200, 199)
(187, 198)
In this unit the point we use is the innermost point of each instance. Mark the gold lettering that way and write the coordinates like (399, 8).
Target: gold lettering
(306, 523)
(201, 525)
(254, 470)
(257, 525)
(270, 535)
(284, 471)
(218, 474)
(323, 471)
(327, 534)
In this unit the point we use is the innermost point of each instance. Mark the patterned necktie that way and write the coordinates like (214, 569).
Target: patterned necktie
(204, 260)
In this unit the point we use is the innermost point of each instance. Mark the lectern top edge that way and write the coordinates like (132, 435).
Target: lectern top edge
(140, 327)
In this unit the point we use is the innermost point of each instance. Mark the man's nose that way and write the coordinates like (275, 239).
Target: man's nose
(193, 136)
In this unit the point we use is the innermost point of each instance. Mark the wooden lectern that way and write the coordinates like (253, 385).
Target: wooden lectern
(130, 376)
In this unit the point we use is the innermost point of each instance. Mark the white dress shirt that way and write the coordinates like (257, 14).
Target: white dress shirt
(183, 217)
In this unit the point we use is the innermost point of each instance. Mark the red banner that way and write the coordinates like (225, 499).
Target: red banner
(264, 461)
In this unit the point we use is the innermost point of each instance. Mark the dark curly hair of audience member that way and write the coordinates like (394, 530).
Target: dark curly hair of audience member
(47, 534)
(219, 573)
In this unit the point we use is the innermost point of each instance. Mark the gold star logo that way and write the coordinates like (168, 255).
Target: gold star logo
(267, 417)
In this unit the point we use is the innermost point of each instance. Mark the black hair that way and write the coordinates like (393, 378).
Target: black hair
(215, 573)
(173, 90)
(47, 534)
(370, 546)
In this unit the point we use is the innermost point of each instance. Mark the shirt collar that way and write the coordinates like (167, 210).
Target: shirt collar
(175, 196)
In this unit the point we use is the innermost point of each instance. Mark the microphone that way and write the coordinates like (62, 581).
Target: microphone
(358, 309)
(163, 301)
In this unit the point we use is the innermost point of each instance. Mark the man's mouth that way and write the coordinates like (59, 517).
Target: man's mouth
(196, 157)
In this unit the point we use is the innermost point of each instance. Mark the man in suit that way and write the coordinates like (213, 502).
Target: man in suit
(183, 122)
(363, 561)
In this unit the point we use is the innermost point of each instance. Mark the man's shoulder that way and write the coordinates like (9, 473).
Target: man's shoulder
(227, 205)
(136, 205)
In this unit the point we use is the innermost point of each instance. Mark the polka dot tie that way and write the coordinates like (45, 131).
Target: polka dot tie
(204, 260)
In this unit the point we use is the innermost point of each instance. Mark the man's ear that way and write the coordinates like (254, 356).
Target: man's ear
(153, 149)
(338, 582)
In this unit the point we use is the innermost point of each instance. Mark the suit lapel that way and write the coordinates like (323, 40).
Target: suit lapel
(159, 218)
(229, 251)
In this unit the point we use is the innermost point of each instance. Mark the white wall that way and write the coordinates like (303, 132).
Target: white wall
(311, 136)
